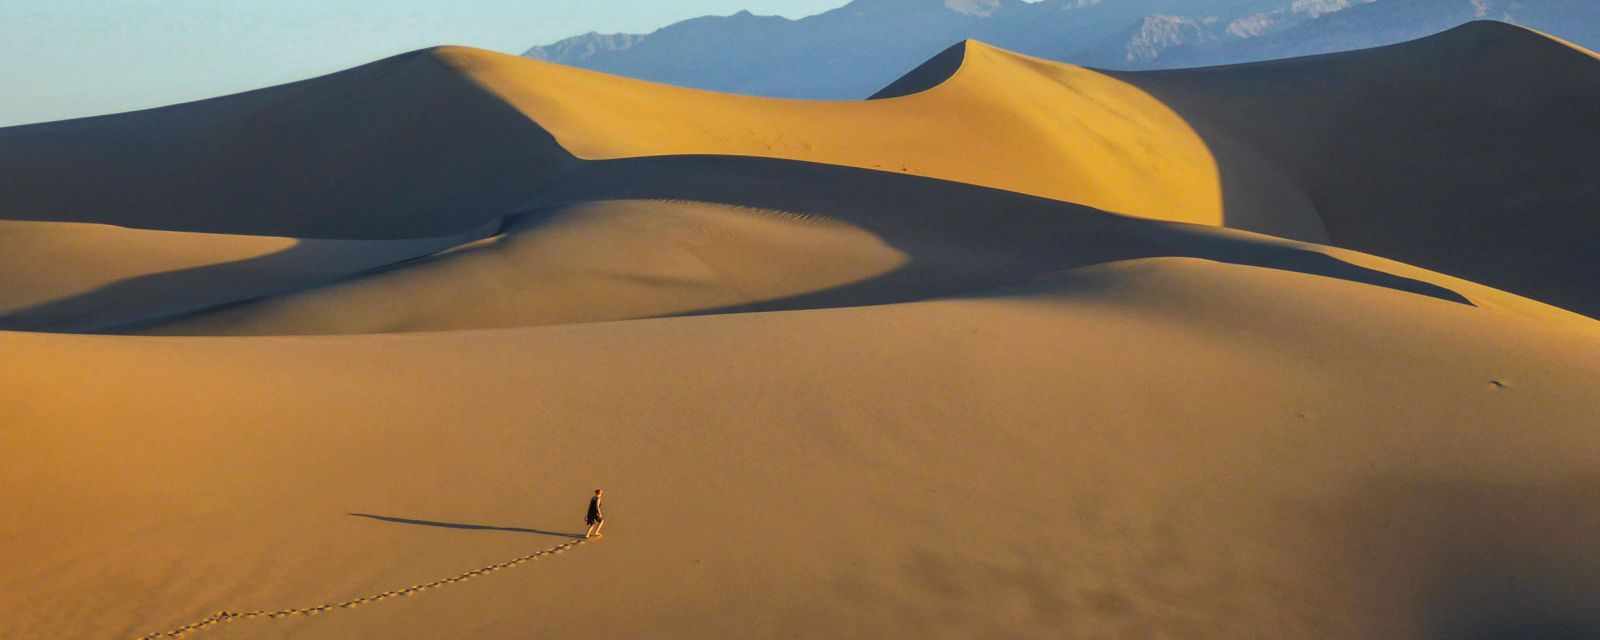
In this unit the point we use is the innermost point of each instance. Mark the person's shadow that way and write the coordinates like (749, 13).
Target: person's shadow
(462, 525)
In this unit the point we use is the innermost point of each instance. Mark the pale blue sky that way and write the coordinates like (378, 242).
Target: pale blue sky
(69, 58)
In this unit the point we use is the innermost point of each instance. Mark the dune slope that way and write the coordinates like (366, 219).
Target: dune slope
(1403, 163)
(1175, 447)
(1017, 350)
(1468, 152)
(400, 148)
(463, 132)
(664, 236)
(58, 276)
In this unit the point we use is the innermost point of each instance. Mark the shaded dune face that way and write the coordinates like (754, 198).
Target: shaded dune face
(450, 139)
(405, 147)
(927, 75)
(1002, 121)
(1016, 349)
(97, 278)
(1469, 152)
(718, 234)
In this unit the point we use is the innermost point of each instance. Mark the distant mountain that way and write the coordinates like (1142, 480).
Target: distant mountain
(1151, 41)
(856, 49)
(838, 54)
(585, 47)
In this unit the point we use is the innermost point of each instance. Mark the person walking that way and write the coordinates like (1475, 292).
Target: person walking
(596, 519)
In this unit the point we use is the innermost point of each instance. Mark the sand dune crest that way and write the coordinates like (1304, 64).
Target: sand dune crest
(1020, 349)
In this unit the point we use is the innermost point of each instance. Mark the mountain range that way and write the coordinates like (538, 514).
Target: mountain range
(852, 51)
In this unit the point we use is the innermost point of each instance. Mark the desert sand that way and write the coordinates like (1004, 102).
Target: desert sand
(1015, 349)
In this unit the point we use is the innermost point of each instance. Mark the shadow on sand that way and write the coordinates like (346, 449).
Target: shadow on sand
(1481, 559)
(959, 239)
(149, 299)
(1483, 171)
(463, 525)
(405, 147)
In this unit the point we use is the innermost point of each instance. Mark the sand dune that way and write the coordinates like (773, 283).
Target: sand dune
(1467, 152)
(1018, 349)
(1165, 446)
(58, 276)
(404, 147)
(423, 129)
(720, 234)
(1474, 189)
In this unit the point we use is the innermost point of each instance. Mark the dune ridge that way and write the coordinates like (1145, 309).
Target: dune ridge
(405, 147)
(1205, 161)
(1479, 171)
(103, 278)
(1019, 349)
(713, 234)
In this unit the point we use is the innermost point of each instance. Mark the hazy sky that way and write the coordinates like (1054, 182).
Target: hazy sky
(68, 58)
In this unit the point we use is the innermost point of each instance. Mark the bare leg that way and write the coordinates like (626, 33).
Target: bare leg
(593, 529)
(598, 526)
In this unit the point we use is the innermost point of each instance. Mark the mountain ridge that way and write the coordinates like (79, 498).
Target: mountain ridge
(839, 54)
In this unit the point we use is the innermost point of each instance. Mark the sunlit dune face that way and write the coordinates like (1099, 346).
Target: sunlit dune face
(584, 263)
(847, 377)
(1002, 120)
(76, 255)
(62, 276)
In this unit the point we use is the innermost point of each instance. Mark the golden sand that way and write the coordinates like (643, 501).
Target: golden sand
(1029, 351)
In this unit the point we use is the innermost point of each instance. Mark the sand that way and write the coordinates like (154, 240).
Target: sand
(63, 276)
(1479, 169)
(1038, 380)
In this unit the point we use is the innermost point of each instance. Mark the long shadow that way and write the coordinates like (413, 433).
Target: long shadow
(1483, 171)
(148, 299)
(1481, 559)
(462, 525)
(958, 237)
